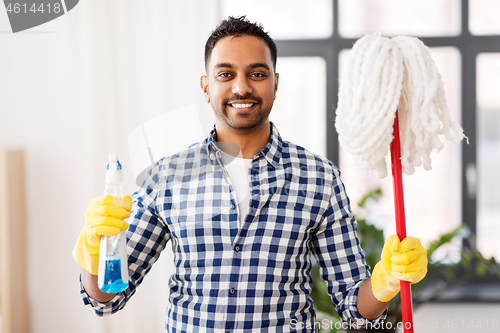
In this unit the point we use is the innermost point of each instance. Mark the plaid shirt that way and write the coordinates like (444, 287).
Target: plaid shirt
(255, 278)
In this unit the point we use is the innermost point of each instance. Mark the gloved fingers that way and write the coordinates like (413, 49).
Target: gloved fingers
(410, 264)
(411, 253)
(108, 205)
(97, 222)
(409, 244)
(125, 202)
(406, 258)
(105, 200)
(106, 230)
(394, 243)
(108, 210)
(413, 273)
(128, 200)
(408, 268)
(391, 244)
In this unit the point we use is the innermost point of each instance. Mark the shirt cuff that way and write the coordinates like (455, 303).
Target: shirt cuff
(100, 308)
(352, 315)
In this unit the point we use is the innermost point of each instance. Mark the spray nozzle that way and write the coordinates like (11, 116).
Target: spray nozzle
(113, 169)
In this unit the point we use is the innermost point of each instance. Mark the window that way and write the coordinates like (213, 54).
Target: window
(488, 153)
(458, 32)
(484, 17)
(301, 120)
(285, 19)
(399, 17)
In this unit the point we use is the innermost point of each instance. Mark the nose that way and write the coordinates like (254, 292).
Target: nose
(242, 85)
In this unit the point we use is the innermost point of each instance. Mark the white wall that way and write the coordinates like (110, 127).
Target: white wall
(71, 91)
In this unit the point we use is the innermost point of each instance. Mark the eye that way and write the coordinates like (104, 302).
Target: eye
(258, 75)
(224, 75)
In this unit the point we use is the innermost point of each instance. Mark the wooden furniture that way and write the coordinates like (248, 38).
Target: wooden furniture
(14, 305)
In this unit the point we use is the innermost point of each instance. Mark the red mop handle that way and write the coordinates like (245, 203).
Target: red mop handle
(406, 306)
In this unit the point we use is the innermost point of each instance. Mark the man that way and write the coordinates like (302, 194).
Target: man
(243, 244)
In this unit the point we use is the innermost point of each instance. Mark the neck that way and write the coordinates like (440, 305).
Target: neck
(244, 144)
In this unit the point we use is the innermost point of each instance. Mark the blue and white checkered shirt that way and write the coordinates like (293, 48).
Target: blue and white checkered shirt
(253, 278)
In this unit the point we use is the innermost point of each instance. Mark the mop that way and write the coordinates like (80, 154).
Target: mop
(391, 95)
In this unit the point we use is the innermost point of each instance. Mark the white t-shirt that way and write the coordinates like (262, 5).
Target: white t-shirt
(238, 169)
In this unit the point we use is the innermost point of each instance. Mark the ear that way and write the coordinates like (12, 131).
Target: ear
(204, 87)
(276, 81)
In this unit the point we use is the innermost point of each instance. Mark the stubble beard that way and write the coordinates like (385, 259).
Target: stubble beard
(244, 122)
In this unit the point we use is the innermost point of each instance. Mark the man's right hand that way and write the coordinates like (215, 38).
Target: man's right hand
(105, 216)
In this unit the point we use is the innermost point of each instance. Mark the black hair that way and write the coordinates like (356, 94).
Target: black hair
(238, 26)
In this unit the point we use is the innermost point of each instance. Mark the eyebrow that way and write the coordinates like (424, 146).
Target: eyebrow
(259, 64)
(224, 65)
(251, 66)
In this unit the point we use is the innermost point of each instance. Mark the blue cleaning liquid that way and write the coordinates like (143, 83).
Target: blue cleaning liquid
(113, 282)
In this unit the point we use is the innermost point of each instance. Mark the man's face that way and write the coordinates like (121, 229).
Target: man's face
(240, 83)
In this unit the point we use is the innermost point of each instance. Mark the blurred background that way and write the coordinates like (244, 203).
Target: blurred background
(73, 89)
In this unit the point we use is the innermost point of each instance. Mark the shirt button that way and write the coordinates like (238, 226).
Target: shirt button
(237, 248)
(232, 291)
(233, 206)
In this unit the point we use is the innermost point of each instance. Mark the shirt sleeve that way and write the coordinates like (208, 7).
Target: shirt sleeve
(147, 236)
(339, 256)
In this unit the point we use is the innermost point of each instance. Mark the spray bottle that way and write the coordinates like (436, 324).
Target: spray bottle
(113, 267)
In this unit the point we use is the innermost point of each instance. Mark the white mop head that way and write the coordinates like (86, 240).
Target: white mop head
(382, 75)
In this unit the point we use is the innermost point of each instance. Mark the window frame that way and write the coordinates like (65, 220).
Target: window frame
(468, 45)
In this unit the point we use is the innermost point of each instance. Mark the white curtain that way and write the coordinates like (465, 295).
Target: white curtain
(71, 91)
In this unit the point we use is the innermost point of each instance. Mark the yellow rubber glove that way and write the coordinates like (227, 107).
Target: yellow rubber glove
(104, 217)
(405, 261)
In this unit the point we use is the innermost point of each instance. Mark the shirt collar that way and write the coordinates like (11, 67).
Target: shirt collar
(271, 152)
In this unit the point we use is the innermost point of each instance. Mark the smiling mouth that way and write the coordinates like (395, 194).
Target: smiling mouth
(241, 105)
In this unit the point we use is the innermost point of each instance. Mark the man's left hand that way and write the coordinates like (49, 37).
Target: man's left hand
(400, 261)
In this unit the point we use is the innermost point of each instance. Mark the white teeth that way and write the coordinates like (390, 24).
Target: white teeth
(241, 106)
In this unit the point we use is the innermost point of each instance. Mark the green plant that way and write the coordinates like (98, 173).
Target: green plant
(472, 267)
